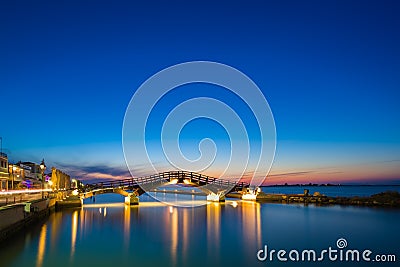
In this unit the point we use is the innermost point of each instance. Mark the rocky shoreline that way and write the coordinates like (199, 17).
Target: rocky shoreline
(384, 199)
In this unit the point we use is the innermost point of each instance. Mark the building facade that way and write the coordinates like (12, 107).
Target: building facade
(16, 176)
(3, 171)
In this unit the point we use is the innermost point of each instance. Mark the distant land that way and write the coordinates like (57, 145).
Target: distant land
(328, 184)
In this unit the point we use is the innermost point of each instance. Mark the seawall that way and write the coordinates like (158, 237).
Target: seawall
(14, 217)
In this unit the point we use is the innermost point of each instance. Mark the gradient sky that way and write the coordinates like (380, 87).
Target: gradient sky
(329, 70)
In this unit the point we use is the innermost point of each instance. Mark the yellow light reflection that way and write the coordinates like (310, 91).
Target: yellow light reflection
(213, 228)
(150, 204)
(103, 205)
(42, 246)
(74, 231)
(174, 235)
(127, 225)
(55, 222)
(251, 216)
(185, 233)
(82, 221)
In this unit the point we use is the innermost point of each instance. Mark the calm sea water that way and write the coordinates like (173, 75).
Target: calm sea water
(333, 191)
(108, 233)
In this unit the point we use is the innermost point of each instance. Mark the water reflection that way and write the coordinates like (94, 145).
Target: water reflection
(42, 246)
(74, 231)
(251, 225)
(56, 224)
(174, 224)
(219, 234)
(127, 225)
(213, 229)
(187, 231)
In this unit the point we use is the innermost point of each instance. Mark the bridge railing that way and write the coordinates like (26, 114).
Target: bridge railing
(167, 177)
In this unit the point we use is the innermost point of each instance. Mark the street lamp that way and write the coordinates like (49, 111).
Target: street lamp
(42, 168)
(12, 177)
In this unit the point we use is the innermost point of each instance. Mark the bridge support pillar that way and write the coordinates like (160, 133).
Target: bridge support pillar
(131, 200)
(251, 194)
(219, 197)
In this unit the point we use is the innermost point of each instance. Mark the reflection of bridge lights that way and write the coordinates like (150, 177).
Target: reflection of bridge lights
(234, 204)
(100, 210)
(127, 225)
(104, 205)
(171, 209)
(105, 211)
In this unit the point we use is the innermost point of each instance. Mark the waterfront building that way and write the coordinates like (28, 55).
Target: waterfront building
(32, 170)
(59, 179)
(3, 171)
(16, 176)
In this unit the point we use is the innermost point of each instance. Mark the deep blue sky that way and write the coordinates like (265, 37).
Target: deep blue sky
(329, 69)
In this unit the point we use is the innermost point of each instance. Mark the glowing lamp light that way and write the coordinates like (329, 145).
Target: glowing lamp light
(75, 192)
(42, 165)
(251, 194)
(174, 181)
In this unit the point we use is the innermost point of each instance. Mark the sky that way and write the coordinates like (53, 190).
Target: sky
(328, 69)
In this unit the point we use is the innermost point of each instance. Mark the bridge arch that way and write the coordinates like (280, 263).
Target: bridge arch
(132, 188)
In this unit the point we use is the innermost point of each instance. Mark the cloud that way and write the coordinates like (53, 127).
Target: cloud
(95, 172)
(290, 174)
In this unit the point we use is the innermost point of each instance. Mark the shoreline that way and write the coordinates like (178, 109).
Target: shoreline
(383, 199)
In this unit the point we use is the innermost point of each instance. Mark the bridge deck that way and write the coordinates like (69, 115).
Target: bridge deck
(136, 184)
